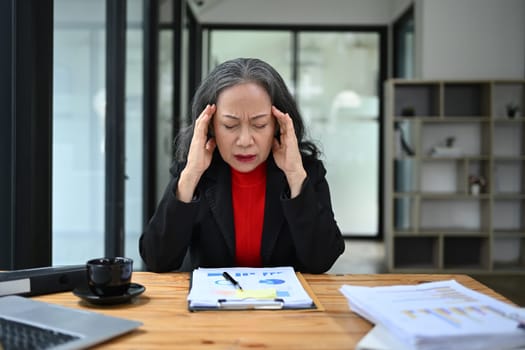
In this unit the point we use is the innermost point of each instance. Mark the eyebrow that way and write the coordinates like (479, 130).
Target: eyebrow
(257, 116)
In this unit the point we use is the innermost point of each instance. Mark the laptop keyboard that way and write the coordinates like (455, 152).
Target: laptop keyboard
(21, 336)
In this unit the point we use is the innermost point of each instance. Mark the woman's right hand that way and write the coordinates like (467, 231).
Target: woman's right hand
(199, 155)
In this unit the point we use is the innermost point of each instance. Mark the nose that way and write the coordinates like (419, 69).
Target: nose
(245, 137)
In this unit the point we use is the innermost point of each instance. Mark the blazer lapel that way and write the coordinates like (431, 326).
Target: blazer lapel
(219, 196)
(273, 213)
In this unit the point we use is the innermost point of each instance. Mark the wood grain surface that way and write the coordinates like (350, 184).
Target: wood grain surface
(169, 325)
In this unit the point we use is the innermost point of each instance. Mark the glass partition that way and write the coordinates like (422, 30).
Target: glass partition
(134, 131)
(79, 102)
(165, 111)
(79, 96)
(337, 93)
(272, 46)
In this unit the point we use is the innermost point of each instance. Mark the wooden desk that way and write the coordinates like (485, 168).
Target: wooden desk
(169, 325)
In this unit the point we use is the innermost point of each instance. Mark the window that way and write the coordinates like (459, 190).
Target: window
(338, 96)
(78, 130)
(79, 100)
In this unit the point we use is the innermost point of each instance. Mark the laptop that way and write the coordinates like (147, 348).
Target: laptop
(64, 328)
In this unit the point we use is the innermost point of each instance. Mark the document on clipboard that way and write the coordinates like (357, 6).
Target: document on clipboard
(240, 288)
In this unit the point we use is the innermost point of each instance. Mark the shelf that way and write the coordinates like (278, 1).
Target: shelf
(453, 231)
(507, 215)
(453, 196)
(509, 233)
(465, 252)
(456, 120)
(510, 121)
(508, 140)
(455, 176)
(508, 158)
(509, 252)
(416, 99)
(468, 138)
(508, 196)
(466, 99)
(463, 158)
(504, 93)
(419, 252)
(456, 215)
(515, 267)
(450, 195)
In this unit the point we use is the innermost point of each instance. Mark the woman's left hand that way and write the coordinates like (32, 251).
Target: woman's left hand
(286, 152)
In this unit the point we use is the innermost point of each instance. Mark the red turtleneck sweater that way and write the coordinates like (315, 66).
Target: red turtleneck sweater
(248, 196)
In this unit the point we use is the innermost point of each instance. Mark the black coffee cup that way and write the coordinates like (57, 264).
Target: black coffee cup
(109, 276)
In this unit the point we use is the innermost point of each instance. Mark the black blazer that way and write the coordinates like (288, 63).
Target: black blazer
(299, 232)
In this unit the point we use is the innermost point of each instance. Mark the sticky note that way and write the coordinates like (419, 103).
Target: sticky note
(267, 293)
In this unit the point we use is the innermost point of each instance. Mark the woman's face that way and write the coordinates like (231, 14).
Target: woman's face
(244, 126)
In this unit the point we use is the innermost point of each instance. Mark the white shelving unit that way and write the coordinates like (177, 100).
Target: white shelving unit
(454, 176)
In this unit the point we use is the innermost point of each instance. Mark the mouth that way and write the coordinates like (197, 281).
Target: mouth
(245, 158)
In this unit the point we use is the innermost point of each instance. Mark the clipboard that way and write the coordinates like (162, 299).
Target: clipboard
(250, 304)
(290, 290)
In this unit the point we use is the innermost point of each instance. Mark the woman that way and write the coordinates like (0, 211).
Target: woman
(247, 189)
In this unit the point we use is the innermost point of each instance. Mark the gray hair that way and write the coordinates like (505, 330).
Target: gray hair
(239, 71)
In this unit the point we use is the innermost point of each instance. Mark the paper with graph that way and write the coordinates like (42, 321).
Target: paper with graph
(439, 315)
(262, 288)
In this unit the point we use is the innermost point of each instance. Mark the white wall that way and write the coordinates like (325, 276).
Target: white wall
(455, 39)
(307, 12)
(470, 39)
(398, 7)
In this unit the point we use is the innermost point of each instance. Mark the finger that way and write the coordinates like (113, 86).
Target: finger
(203, 121)
(207, 111)
(277, 114)
(277, 111)
(282, 116)
(281, 119)
(211, 144)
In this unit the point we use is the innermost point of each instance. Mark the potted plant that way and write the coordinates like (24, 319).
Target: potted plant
(476, 184)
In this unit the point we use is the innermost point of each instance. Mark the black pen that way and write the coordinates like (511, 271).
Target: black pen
(231, 279)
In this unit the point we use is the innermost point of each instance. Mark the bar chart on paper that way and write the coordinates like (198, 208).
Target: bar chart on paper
(445, 306)
(443, 313)
(459, 317)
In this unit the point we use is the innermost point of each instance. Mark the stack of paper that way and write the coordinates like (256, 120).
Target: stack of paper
(439, 315)
(260, 288)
